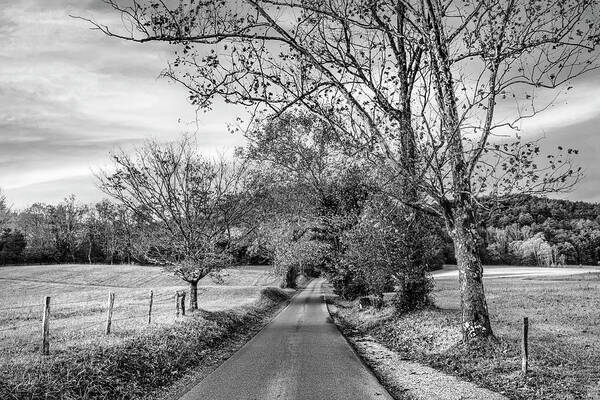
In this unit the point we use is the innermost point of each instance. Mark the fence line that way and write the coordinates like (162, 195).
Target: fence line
(143, 306)
(19, 307)
(130, 317)
(79, 326)
(145, 312)
(91, 300)
(12, 328)
(96, 299)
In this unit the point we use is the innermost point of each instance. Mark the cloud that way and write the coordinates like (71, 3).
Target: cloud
(576, 106)
(545, 111)
(69, 95)
(83, 186)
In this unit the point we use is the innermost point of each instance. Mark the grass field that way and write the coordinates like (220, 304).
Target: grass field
(563, 311)
(564, 317)
(79, 295)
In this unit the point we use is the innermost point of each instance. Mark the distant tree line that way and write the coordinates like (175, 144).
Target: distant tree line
(529, 230)
(70, 232)
(519, 230)
(105, 232)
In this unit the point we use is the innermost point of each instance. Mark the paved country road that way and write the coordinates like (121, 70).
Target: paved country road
(300, 355)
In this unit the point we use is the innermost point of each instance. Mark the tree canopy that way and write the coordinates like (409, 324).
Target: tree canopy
(413, 86)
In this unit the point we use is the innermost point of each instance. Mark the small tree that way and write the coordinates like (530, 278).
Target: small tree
(35, 223)
(105, 217)
(67, 228)
(187, 201)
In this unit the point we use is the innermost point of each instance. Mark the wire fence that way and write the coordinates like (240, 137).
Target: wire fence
(19, 307)
(55, 321)
(16, 327)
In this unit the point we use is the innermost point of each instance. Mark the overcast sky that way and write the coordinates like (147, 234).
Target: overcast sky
(69, 95)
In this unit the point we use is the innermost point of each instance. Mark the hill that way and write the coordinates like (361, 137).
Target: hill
(540, 231)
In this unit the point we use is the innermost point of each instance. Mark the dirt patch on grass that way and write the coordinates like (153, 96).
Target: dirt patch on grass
(139, 365)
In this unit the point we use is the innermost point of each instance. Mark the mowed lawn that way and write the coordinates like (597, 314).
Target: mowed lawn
(79, 295)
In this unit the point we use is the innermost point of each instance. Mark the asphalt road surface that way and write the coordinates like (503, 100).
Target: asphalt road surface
(299, 355)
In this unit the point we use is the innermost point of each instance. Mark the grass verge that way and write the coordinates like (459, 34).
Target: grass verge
(432, 337)
(138, 365)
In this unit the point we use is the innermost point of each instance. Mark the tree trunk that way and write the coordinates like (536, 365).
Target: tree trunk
(475, 317)
(290, 278)
(89, 254)
(414, 293)
(459, 212)
(194, 295)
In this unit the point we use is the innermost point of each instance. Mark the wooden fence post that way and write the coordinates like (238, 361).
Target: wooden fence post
(111, 303)
(183, 303)
(177, 303)
(150, 307)
(524, 346)
(46, 327)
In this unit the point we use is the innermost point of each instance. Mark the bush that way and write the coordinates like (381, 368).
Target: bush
(347, 283)
(390, 247)
(413, 292)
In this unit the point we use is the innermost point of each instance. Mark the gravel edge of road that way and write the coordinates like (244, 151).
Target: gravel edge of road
(397, 391)
(407, 380)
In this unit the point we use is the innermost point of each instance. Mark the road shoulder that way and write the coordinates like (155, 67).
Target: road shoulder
(406, 379)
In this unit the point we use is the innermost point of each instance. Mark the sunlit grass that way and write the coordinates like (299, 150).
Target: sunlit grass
(564, 327)
(79, 296)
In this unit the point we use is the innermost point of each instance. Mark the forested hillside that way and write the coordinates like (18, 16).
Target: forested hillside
(532, 230)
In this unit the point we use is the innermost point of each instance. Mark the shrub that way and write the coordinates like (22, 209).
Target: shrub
(391, 247)
(347, 281)
(413, 292)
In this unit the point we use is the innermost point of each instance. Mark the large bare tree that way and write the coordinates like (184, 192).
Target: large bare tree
(413, 85)
(190, 203)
